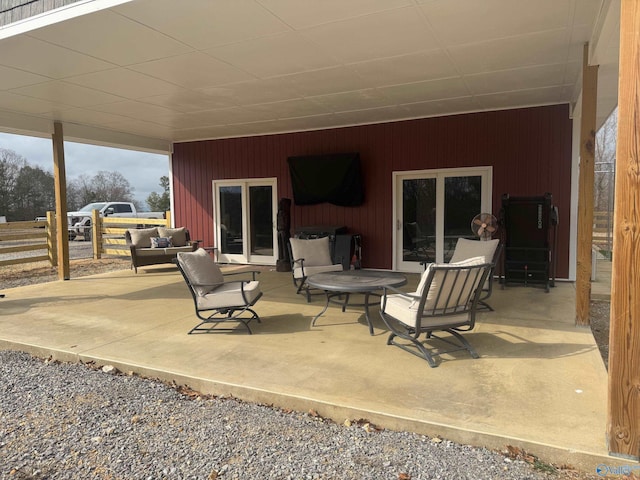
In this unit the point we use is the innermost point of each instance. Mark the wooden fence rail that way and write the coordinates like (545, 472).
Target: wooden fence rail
(602, 235)
(29, 236)
(108, 232)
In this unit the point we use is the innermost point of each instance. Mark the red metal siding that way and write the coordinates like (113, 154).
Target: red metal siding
(529, 149)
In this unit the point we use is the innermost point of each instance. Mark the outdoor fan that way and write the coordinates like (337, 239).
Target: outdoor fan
(484, 225)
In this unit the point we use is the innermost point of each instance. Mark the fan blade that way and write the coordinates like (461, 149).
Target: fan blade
(477, 221)
(491, 229)
(481, 229)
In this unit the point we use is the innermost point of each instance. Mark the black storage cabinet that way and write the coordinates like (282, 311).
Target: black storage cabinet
(529, 238)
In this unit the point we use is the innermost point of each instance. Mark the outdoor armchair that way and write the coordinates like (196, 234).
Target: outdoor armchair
(216, 300)
(308, 257)
(445, 301)
(490, 250)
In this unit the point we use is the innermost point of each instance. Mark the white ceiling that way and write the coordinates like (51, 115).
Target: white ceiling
(146, 73)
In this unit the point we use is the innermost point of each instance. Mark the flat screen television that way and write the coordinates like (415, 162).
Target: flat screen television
(334, 178)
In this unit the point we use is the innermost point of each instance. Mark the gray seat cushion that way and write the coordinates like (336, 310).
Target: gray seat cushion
(230, 295)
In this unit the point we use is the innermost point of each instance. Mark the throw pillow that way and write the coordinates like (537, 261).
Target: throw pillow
(141, 238)
(178, 235)
(161, 242)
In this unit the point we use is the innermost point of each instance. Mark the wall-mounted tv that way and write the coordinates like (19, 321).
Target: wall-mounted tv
(334, 178)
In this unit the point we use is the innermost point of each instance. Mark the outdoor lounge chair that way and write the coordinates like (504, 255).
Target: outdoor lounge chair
(490, 250)
(308, 257)
(445, 300)
(216, 300)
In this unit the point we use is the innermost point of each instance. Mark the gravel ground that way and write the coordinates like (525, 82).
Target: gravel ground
(74, 421)
(81, 263)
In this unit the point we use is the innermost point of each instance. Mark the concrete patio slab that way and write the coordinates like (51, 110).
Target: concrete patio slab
(539, 385)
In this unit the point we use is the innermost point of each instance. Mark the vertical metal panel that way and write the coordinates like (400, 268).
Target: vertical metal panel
(529, 149)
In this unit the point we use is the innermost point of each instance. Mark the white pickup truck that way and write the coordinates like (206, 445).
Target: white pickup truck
(80, 221)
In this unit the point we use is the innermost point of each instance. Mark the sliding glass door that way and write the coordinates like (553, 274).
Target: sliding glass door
(244, 223)
(433, 208)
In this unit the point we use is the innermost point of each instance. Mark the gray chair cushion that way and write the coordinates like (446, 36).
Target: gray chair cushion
(315, 251)
(178, 235)
(466, 248)
(141, 237)
(203, 273)
(230, 295)
(405, 309)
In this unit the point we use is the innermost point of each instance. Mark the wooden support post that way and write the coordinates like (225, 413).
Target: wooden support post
(52, 248)
(60, 182)
(585, 188)
(623, 419)
(96, 234)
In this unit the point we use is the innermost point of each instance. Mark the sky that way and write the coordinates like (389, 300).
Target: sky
(142, 170)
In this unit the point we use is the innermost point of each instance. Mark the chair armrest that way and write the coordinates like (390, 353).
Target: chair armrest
(396, 291)
(252, 272)
(242, 284)
(300, 263)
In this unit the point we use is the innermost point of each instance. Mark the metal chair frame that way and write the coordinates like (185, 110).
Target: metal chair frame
(229, 313)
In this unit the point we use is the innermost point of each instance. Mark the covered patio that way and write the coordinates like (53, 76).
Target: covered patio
(540, 384)
(160, 76)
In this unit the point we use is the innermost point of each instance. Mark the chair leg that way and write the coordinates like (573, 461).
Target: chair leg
(482, 305)
(230, 315)
(417, 347)
(303, 286)
(419, 351)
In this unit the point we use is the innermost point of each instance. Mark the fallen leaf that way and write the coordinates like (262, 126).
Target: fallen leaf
(514, 452)
(404, 476)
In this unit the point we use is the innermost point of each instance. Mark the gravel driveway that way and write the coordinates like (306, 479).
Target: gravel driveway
(77, 249)
(69, 421)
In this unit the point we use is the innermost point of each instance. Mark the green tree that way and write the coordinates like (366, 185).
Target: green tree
(157, 202)
(34, 193)
(10, 165)
(102, 187)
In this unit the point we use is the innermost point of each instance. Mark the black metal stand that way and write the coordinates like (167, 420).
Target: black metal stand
(529, 251)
